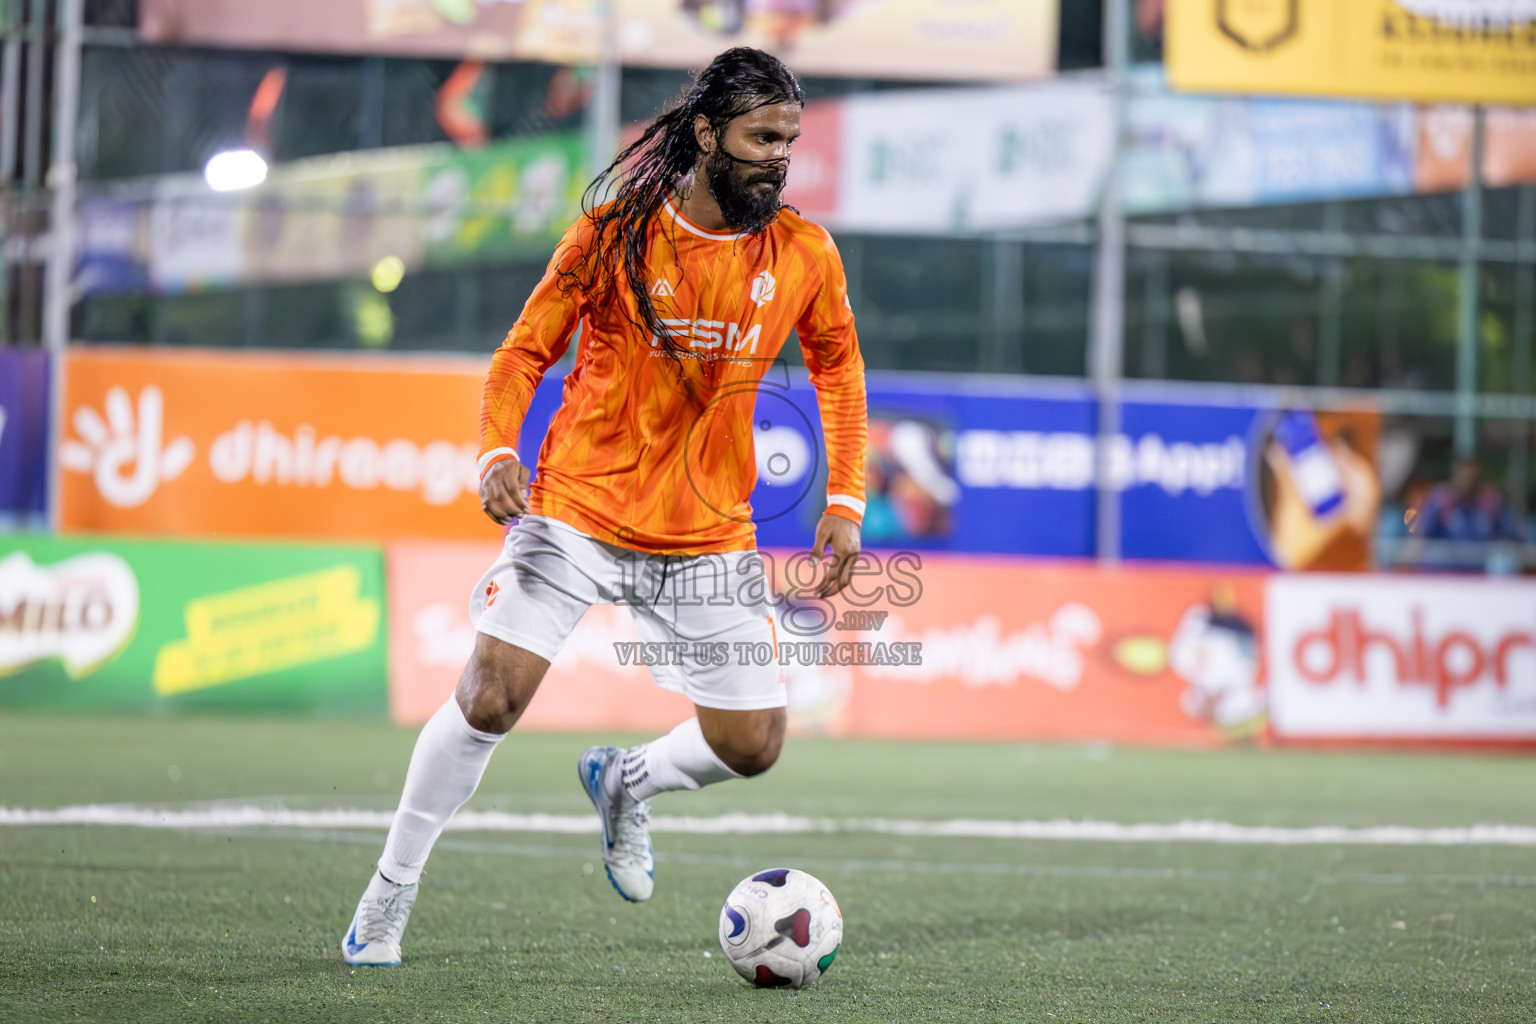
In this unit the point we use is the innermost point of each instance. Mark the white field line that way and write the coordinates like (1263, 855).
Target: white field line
(1218, 832)
(1107, 871)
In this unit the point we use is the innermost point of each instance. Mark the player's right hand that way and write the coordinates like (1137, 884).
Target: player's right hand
(504, 491)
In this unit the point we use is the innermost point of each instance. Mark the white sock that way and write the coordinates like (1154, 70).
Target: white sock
(446, 766)
(682, 759)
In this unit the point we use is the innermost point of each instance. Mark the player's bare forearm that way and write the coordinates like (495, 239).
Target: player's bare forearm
(842, 535)
(504, 491)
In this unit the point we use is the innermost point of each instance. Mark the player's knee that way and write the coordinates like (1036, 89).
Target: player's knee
(498, 684)
(758, 761)
(488, 707)
(754, 750)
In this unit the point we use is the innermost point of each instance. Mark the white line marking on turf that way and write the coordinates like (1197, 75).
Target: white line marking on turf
(1106, 871)
(1219, 832)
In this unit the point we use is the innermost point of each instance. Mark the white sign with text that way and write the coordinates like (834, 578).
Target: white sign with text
(1401, 657)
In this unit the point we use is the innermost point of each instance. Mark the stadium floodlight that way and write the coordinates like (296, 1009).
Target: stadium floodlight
(235, 169)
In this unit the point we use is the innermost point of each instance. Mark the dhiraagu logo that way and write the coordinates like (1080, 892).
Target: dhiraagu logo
(260, 629)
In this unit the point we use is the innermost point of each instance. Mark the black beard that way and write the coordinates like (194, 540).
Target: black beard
(742, 208)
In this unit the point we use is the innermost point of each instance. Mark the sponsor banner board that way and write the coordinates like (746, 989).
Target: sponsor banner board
(336, 216)
(972, 160)
(556, 30)
(962, 161)
(975, 465)
(1467, 51)
(813, 186)
(24, 391)
(938, 161)
(1445, 147)
(511, 199)
(918, 39)
(197, 444)
(98, 625)
(1377, 657)
(329, 217)
(1185, 152)
(235, 445)
(1021, 650)
(1008, 650)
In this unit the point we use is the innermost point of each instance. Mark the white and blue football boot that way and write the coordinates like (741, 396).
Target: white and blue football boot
(374, 938)
(626, 827)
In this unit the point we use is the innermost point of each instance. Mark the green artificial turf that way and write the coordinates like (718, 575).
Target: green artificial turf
(126, 924)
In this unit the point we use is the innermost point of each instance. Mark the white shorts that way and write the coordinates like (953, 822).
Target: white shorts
(712, 612)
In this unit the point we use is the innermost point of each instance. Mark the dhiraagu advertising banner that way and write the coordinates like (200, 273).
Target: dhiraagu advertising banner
(103, 625)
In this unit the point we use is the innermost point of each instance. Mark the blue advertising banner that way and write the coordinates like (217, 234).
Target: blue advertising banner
(23, 434)
(968, 464)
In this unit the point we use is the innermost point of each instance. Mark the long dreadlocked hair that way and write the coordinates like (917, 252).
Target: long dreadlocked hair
(737, 82)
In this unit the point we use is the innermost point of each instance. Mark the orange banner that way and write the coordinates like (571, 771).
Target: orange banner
(1445, 147)
(230, 444)
(1005, 649)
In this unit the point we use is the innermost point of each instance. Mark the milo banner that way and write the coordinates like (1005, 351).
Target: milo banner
(140, 626)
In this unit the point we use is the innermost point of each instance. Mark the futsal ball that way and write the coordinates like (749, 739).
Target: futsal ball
(781, 928)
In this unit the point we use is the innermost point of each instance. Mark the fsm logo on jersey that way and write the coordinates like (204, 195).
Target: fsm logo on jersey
(1356, 656)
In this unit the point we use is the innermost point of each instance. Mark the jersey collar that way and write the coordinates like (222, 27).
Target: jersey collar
(692, 228)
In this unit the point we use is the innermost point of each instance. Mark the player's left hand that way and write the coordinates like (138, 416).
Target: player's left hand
(843, 536)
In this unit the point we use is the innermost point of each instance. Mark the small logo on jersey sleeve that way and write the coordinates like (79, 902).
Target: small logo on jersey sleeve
(763, 288)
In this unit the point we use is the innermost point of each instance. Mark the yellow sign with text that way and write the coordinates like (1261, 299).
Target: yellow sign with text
(1455, 51)
(255, 630)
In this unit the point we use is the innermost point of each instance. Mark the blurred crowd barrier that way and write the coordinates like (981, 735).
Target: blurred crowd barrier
(305, 536)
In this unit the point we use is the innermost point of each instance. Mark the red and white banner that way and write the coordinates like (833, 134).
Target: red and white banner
(1026, 650)
(1401, 657)
(1006, 650)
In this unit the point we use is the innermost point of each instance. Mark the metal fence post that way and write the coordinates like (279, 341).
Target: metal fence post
(1466, 292)
(1106, 343)
(62, 172)
(603, 107)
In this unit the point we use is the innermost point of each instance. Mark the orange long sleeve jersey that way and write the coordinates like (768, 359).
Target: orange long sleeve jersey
(655, 453)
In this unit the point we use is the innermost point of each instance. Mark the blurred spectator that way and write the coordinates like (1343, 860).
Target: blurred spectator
(1465, 508)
